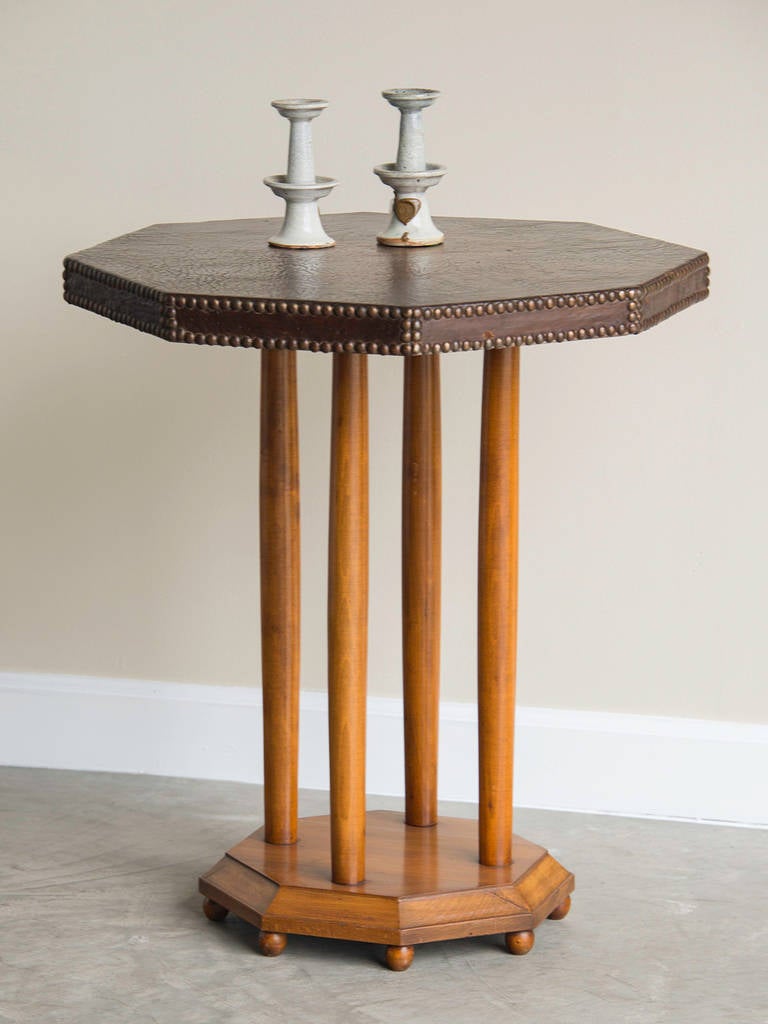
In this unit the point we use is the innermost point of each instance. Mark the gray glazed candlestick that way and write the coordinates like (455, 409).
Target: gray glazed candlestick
(299, 187)
(410, 176)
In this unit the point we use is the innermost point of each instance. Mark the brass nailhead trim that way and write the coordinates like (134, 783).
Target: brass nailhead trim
(410, 342)
(410, 331)
(671, 310)
(674, 275)
(228, 305)
(410, 318)
(118, 317)
(102, 277)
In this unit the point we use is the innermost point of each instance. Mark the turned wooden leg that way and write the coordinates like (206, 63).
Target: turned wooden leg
(561, 911)
(348, 615)
(280, 596)
(272, 943)
(497, 601)
(519, 943)
(421, 584)
(399, 958)
(214, 911)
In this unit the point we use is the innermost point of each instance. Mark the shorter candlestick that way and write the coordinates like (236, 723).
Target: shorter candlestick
(299, 187)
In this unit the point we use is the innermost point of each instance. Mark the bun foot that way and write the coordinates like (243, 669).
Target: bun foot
(399, 958)
(214, 911)
(272, 943)
(519, 943)
(562, 911)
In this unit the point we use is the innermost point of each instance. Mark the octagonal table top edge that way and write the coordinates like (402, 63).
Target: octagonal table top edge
(499, 283)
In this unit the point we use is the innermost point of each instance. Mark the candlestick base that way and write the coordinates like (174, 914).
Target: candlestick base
(301, 227)
(411, 224)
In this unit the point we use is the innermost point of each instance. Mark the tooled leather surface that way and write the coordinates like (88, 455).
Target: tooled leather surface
(481, 260)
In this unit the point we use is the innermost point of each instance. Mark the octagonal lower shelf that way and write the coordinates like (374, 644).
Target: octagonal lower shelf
(422, 884)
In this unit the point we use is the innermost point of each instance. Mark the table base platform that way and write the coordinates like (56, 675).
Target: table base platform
(421, 885)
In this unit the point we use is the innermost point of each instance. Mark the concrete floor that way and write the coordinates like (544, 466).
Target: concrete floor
(100, 921)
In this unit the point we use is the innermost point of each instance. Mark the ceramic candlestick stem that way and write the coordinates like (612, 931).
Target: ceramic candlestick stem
(410, 176)
(299, 187)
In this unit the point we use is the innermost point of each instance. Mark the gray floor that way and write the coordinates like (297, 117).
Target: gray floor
(100, 921)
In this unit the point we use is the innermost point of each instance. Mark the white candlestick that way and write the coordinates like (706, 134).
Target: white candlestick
(299, 187)
(410, 176)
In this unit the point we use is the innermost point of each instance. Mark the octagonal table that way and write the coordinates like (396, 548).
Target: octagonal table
(494, 285)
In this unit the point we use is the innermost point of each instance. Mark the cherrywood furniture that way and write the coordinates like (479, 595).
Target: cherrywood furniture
(493, 285)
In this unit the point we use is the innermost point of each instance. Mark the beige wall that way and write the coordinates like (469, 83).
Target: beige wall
(129, 466)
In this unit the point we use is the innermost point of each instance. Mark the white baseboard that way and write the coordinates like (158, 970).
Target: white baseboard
(566, 760)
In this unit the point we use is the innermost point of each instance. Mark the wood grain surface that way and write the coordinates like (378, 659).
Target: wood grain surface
(348, 615)
(497, 601)
(421, 885)
(403, 861)
(421, 525)
(280, 592)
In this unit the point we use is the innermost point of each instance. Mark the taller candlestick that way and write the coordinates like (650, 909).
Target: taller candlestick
(410, 176)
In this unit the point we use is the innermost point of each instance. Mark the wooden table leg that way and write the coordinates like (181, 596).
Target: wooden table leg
(421, 584)
(497, 601)
(280, 596)
(348, 615)
(420, 884)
